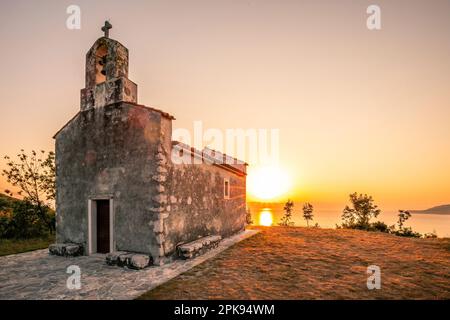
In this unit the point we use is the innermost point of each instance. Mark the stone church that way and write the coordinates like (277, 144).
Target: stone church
(117, 188)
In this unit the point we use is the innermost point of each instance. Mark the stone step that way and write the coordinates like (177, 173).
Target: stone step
(130, 260)
(66, 249)
(197, 247)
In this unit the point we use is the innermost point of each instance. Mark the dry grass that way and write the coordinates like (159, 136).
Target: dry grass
(310, 263)
(14, 246)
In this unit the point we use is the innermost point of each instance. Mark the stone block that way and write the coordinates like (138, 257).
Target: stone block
(139, 261)
(161, 159)
(109, 92)
(161, 169)
(198, 247)
(158, 226)
(159, 238)
(66, 249)
(73, 250)
(56, 249)
(159, 178)
(160, 198)
(124, 259)
(130, 260)
(157, 209)
(113, 257)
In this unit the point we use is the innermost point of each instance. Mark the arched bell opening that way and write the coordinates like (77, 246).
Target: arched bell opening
(100, 64)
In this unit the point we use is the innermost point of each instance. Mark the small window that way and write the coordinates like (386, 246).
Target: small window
(226, 188)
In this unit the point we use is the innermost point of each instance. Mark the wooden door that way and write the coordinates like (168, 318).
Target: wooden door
(103, 226)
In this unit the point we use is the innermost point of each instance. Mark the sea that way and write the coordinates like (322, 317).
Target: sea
(271, 213)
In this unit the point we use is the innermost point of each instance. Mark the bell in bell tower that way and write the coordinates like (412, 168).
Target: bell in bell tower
(107, 74)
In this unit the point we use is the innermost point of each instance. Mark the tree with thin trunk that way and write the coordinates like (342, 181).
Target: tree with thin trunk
(34, 176)
(248, 217)
(308, 212)
(286, 219)
(403, 215)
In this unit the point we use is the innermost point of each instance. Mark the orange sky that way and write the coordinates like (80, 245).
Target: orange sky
(357, 110)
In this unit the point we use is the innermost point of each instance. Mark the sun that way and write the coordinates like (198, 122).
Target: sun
(265, 217)
(267, 183)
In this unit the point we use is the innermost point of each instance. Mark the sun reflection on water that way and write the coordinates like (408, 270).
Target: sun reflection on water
(266, 217)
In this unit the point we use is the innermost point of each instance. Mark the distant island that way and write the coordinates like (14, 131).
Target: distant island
(443, 209)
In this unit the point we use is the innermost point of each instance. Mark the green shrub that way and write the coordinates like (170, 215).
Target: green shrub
(363, 209)
(407, 232)
(4, 224)
(403, 231)
(359, 214)
(27, 221)
(430, 235)
(4, 204)
(379, 226)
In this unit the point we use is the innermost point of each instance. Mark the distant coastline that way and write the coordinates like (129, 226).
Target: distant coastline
(443, 209)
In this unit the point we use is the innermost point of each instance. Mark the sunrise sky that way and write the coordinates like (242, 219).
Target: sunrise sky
(357, 110)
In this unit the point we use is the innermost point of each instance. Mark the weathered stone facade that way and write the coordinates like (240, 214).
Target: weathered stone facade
(119, 151)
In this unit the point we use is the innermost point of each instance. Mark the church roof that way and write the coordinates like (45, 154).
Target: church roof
(237, 166)
(164, 114)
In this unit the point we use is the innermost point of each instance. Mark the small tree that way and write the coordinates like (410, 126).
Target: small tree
(286, 219)
(358, 216)
(248, 217)
(403, 215)
(403, 231)
(308, 212)
(34, 175)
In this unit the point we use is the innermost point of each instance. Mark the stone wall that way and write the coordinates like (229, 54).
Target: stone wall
(102, 153)
(191, 203)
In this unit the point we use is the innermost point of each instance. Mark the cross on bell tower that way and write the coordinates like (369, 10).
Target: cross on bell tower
(106, 28)
(107, 74)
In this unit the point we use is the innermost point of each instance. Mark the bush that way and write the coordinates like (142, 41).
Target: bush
(4, 204)
(27, 221)
(363, 209)
(358, 216)
(430, 235)
(406, 232)
(4, 224)
(403, 231)
(379, 226)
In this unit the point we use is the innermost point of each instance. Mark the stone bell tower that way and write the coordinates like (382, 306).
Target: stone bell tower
(107, 74)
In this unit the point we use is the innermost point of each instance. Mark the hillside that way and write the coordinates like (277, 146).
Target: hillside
(443, 209)
(313, 263)
(6, 202)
